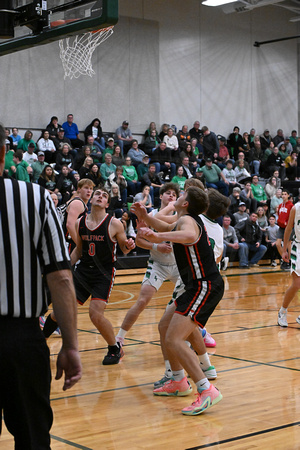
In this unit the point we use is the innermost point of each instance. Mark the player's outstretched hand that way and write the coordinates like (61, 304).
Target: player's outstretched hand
(140, 224)
(148, 234)
(68, 362)
(285, 257)
(130, 244)
(139, 210)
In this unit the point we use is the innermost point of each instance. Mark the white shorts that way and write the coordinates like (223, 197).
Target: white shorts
(156, 274)
(178, 290)
(295, 258)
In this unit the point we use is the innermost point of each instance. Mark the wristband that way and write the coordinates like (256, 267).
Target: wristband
(154, 246)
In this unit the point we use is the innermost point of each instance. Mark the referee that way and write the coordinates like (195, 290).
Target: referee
(32, 249)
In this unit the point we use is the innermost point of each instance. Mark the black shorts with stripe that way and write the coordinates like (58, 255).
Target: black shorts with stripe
(200, 300)
(89, 281)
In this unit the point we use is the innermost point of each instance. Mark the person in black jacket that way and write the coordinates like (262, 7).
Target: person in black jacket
(94, 129)
(53, 127)
(249, 235)
(275, 162)
(161, 157)
(64, 158)
(66, 183)
(235, 142)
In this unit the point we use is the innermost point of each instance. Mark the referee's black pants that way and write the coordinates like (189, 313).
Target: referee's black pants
(25, 379)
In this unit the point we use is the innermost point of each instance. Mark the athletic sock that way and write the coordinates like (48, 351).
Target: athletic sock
(50, 326)
(168, 371)
(283, 310)
(121, 333)
(204, 361)
(178, 375)
(202, 385)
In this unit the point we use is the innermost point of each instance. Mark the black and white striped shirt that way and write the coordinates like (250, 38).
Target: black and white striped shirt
(31, 245)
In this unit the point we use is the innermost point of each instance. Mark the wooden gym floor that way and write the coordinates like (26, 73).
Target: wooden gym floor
(258, 365)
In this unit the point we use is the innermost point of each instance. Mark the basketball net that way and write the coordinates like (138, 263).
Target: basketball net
(76, 52)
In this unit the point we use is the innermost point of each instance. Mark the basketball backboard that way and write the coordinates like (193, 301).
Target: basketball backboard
(37, 22)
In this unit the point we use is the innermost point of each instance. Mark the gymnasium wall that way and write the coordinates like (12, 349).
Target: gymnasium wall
(168, 61)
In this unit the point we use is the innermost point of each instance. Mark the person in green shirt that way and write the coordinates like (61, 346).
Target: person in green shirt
(131, 176)
(143, 168)
(179, 178)
(9, 166)
(258, 191)
(107, 168)
(109, 149)
(214, 177)
(23, 143)
(21, 173)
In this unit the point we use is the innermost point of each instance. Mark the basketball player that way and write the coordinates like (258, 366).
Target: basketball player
(97, 237)
(161, 266)
(204, 289)
(294, 221)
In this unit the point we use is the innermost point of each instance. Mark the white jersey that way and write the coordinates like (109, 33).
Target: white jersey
(297, 221)
(165, 259)
(215, 234)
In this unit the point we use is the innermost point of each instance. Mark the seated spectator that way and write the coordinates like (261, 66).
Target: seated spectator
(61, 139)
(107, 168)
(47, 179)
(258, 191)
(247, 197)
(179, 178)
(109, 148)
(47, 146)
(212, 174)
(95, 175)
(9, 165)
(127, 221)
(64, 158)
(27, 139)
(94, 129)
(15, 136)
(21, 173)
(210, 144)
(229, 175)
(38, 167)
(53, 127)
(124, 137)
(116, 205)
(151, 142)
(152, 180)
(135, 153)
(276, 200)
(266, 154)
(196, 132)
(161, 157)
(66, 183)
(54, 199)
(235, 142)
(188, 151)
(285, 148)
(183, 137)
(84, 170)
(231, 242)
(241, 173)
(143, 167)
(234, 200)
(148, 132)
(275, 162)
(118, 179)
(164, 131)
(96, 152)
(291, 166)
(246, 143)
(252, 137)
(278, 138)
(223, 153)
(144, 198)
(197, 149)
(278, 180)
(117, 157)
(255, 155)
(171, 142)
(293, 139)
(249, 235)
(29, 156)
(8, 139)
(81, 156)
(72, 132)
(188, 169)
(271, 237)
(240, 215)
(130, 175)
(271, 187)
(265, 140)
(262, 219)
(242, 156)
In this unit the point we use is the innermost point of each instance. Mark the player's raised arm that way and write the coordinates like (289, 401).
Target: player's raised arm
(117, 232)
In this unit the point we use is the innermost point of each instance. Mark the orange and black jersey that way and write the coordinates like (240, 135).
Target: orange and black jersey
(98, 250)
(70, 242)
(196, 261)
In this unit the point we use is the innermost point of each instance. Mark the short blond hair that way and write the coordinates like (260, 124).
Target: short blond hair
(85, 181)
